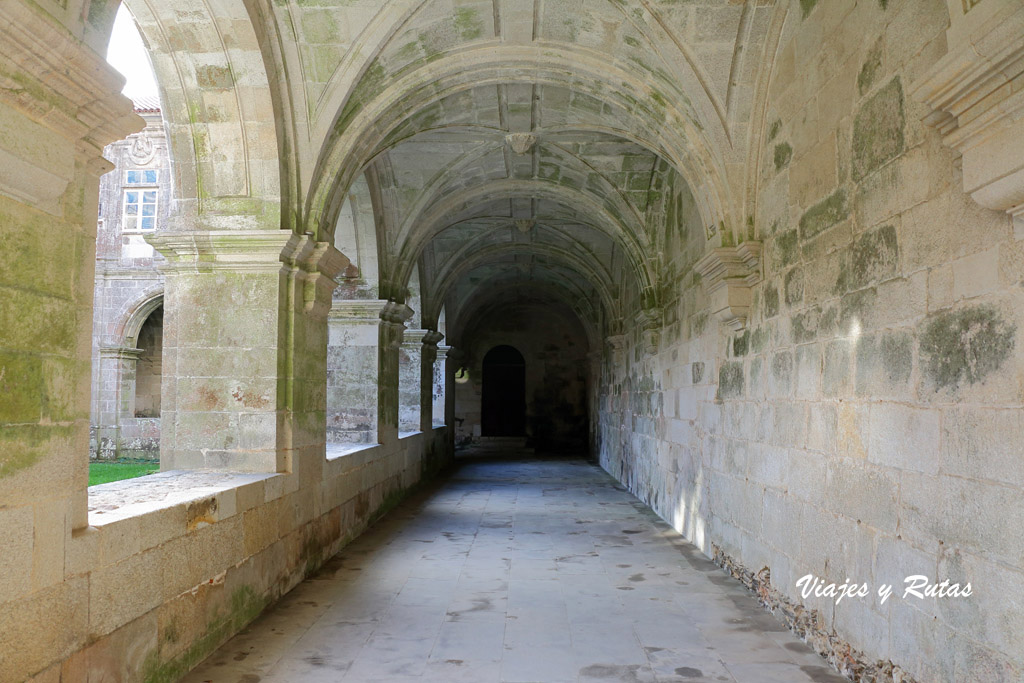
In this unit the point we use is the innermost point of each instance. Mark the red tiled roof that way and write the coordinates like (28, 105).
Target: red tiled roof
(147, 105)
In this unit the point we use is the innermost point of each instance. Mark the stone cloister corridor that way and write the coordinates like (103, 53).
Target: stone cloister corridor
(749, 272)
(518, 568)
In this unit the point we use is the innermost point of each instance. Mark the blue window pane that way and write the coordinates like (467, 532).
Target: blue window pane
(149, 197)
(133, 177)
(131, 209)
(147, 223)
(148, 209)
(132, 197)
(150, 176)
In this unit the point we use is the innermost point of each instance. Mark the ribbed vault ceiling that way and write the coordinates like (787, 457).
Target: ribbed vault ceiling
(516, 147)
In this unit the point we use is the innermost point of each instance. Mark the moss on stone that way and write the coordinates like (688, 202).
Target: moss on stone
(874, 257)
(21, 377)
(793, 286)
(245, 606)
(22, 446)
(829, 211)
(783, 153)
(878, 130)
(869, 71)
(759, 339)
(771, 301)
(806, 6)
(804, 326)
(468, 23)
(741, 344)
(697, 372)
(774, 129)
(965, 345)
(214, 77)
(730, 380)
(884, 362)
(787, 248)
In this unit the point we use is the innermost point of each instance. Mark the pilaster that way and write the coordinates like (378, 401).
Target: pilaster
(60, 104)
(353, 367)
(392, 328)
(431, 379)
(226, 358)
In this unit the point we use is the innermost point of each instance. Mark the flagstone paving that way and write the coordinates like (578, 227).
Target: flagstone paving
(517, 569)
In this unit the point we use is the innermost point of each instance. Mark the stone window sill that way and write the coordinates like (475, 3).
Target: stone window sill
(113, 502)
(340, 450)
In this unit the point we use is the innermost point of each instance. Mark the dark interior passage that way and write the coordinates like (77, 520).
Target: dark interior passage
(504, 392)
(149, 367)
(528, 369)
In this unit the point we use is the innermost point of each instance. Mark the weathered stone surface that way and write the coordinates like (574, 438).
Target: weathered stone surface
(826, 213)
(878, 130)
(965, 346)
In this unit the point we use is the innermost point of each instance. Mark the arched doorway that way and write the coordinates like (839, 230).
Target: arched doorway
(503, 404)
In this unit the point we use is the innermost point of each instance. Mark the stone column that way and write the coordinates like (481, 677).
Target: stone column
(453, 361)
(60, 104)
(243, 310)
(116, 396)
(392, 329)
(410, 381)
(431, 389)
(353, 366)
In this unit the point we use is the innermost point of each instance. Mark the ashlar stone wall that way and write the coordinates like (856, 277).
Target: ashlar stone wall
(866, 423)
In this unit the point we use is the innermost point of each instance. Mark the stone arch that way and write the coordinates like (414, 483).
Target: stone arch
(596, 277)
(669, 129)
(491, 291)
(135, 316)
(439, 215)
(219, 110)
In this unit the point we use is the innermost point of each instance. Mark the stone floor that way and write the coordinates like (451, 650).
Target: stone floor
(517, 569)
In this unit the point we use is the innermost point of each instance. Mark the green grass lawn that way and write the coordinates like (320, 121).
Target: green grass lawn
(105, 472)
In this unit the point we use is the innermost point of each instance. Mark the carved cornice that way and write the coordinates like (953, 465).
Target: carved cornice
(55, 79)
(364, 311)
(729, 275)
(120, 352)
(236, 250)
(414, 337)
(978, 104)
